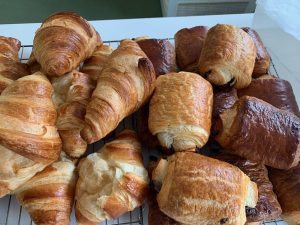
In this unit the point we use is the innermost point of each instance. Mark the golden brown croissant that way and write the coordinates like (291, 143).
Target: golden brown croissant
(48, 196)
(94, 65)
(112, 181)
(180, 111)
(200, 190)
(228, 56)
(62, 42)
(71, 95)
(124, 85)
(10, 66)
(29, 140)
(33, 65)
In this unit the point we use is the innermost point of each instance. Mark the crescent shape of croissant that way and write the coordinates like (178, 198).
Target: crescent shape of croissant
(48, 196)
(71, 95)
(125, 84)
(112, 181)
(94, 65)
(10, 66)
(62, 42)
(29, 140)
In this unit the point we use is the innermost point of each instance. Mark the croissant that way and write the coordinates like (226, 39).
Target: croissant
(267, 207)
(200, 190)
(228, 56)
(94, 65)
(10, 66)
(161, 53)
(287, 187)
(180, 111)
(258, 131)
(62, 42)
(33, 65)
(48, 196)
(124, 85)
(155, 216)
(29, 140)
(112, 181)
(72, 93)
(262, 60)
(277, 92)
(224, 98)
(188, 45)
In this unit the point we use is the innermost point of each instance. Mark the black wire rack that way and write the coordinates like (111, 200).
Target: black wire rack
(11, 213)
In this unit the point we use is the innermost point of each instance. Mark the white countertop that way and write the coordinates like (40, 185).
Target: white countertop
(164, 27)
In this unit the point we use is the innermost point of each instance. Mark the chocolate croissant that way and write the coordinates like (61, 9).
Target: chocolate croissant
(287, 187)
(276, 91)
(161, 53)
(62, 42)
(258, 131)
(228, 56)
(72, 93)
(48, 196)
(262, 60)
(188, 45)
(94, 64)
(124, 85)
(29, 140)
(267, 207)
(112, 181)
(180, 111)
(224, 98)
(10, 66)
(155, 215)
(200, 190)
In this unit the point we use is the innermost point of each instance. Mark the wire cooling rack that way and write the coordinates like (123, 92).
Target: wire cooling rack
(11, 213)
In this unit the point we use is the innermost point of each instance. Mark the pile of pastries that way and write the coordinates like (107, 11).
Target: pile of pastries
(210, 91)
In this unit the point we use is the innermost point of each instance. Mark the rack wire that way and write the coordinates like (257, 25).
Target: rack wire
(11, 213)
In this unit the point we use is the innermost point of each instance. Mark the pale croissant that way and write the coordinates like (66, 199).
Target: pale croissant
(63, 41)
(48, 196)
(123, 86)
(29, 140)
(112, 181)
(94, 65)
(10, 66)
(71, 95)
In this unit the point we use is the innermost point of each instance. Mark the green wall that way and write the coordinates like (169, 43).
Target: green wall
(31, 11)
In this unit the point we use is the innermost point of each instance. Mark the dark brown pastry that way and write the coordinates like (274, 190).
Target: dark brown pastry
(258, 131)
(144, 133)
(267, 207)
(287, 187)
(224, 98)
(155, 216)
(277, 92)
(262, 60)
(161, 53)
(188, 46)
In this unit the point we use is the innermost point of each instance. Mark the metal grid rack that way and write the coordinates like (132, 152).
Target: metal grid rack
(11, 213)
